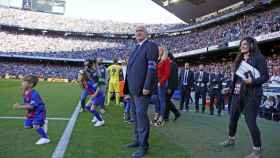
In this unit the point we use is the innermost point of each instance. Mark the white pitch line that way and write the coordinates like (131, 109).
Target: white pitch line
(64, 140)
(22, 118)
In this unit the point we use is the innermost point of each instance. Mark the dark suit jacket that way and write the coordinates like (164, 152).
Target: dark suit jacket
(205, 78)
(256, 87)
(216, 80)
(173, 78)
(190, 79)
(141, 69)
(227, 83)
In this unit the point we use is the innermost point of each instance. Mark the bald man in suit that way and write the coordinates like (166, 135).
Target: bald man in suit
(141, 82)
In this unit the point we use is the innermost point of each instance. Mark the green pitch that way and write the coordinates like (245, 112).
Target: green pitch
(192, 136)
(15, 141)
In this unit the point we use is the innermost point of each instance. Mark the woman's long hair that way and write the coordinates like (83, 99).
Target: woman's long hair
(164, 52)
(254, 51)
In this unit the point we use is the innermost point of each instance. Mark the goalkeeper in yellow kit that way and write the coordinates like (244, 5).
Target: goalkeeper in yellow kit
(114, 77)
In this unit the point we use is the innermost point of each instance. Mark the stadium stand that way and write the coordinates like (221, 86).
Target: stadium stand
(38, 20)
(84, 47)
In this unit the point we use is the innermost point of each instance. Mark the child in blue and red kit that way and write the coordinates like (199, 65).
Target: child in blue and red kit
(97, 97)
(127, 109)
(36, 110)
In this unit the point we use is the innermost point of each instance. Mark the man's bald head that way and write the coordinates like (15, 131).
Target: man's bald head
(140, 33)
(141, 28)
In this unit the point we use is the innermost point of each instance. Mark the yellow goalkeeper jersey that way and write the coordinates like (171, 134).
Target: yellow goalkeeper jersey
(114, 72)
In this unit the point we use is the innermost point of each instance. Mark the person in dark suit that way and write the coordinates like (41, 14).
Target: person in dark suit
(171, 87)
(201, 80)
(226, 88)
(215, 90)
(186, 80)
(141, 82)
(247, 93)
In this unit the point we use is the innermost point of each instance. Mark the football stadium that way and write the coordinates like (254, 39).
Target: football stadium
(141, 78)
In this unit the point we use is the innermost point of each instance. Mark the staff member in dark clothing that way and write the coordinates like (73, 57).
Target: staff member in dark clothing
(201, 80)
(102, 75)
(215, 90)
(172, 85)
(186, 82)
(247, 94)
(226, 89)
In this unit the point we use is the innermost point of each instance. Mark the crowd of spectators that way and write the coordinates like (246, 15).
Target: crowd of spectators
(41, 70)
(270, 108)
(249, 25)
(39, 20)
(16, 42)
(62, 47)
(105, 53)
(70, 47)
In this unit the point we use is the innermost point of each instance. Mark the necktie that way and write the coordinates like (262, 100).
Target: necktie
(136, 48)
(134, 53)
(200, 76)
(186, 77)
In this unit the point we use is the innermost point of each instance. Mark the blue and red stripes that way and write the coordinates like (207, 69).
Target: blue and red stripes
(152, 65)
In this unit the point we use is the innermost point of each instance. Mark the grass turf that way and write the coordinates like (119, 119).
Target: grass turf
(15, 141)
(60, 98)
(109, 141)
(200, 135)
(192, 136)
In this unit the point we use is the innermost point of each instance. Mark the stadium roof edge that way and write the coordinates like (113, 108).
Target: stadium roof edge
(187, 10)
